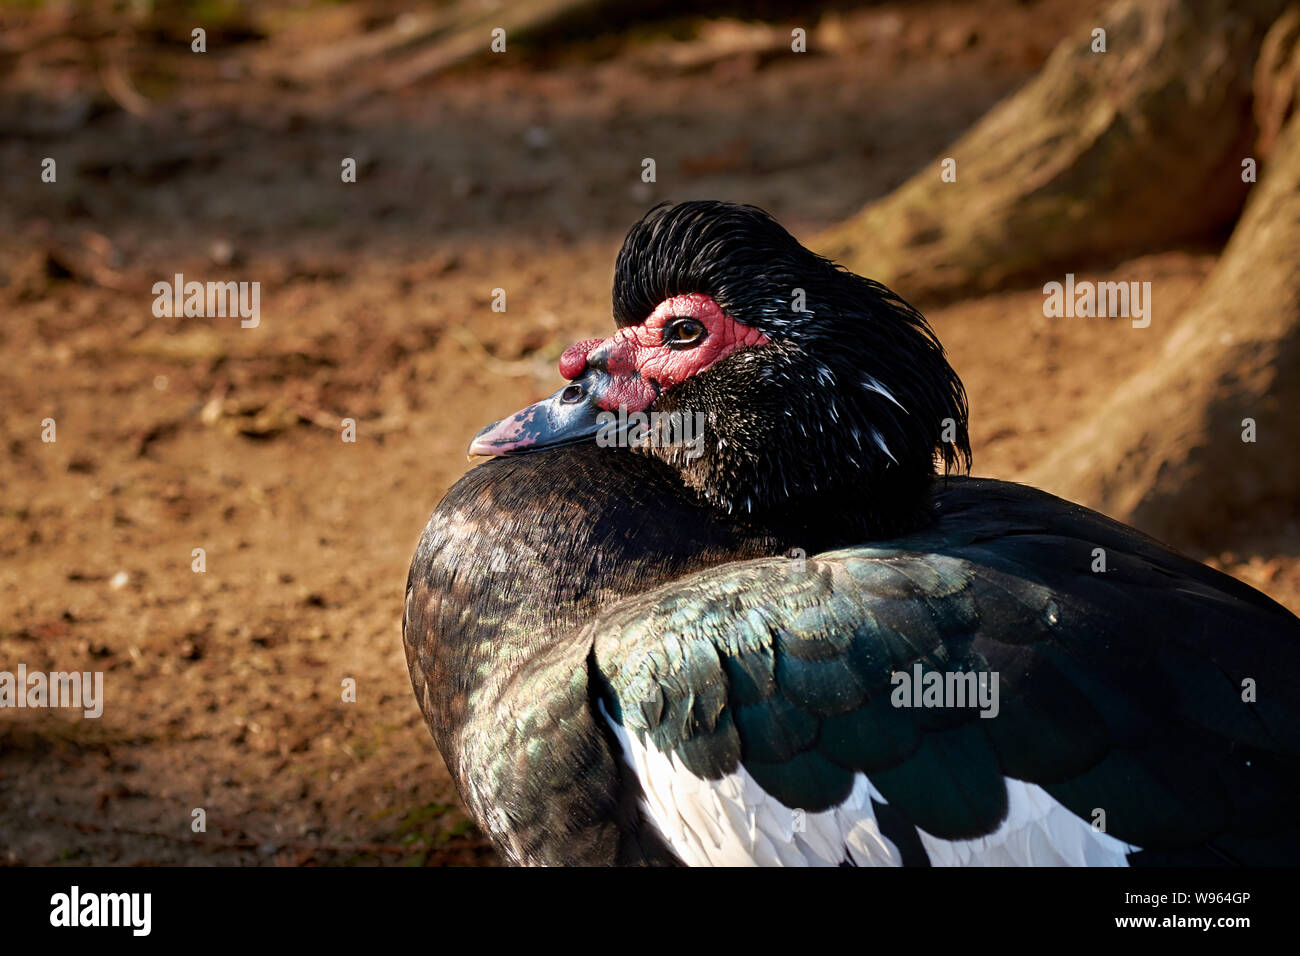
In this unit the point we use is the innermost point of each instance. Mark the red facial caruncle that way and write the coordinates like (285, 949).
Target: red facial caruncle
(683, 336)
(642, 360)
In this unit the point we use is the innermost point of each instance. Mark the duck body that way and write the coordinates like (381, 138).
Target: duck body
(572, 611)
(796, 642)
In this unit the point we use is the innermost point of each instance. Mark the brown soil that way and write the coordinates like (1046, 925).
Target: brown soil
(224, 688)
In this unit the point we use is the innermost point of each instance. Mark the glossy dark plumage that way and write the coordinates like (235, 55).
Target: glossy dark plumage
(561, 598)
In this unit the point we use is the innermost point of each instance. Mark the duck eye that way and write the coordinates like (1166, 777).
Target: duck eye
(685, 334)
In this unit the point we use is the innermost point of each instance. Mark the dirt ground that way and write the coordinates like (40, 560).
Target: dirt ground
(518, 172)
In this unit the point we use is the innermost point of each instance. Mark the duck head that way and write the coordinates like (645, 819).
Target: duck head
(761, 372)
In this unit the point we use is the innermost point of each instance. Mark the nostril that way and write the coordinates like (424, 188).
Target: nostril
(573, 393)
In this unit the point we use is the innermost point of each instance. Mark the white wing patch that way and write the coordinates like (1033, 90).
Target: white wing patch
(1038, 831)
(735, 822)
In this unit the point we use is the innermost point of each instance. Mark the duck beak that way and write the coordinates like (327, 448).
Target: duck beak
(570, 415)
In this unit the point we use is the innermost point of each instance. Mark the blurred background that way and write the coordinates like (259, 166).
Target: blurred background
(521, 170)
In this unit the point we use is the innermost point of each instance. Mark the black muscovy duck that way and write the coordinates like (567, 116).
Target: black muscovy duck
(788, 641)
